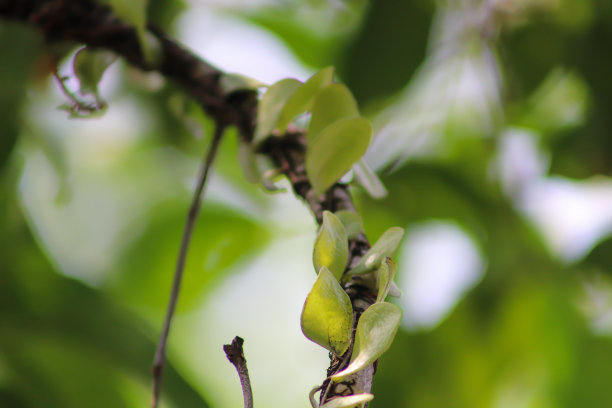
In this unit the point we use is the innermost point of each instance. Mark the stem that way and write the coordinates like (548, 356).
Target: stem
(160, 355)
(235, 355)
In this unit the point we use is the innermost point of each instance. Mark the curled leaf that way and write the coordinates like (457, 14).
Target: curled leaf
(350, 401)
(385, 247)
(386, 272)
(327, 316)
(331, 246)
(89, 66)
(375, 332)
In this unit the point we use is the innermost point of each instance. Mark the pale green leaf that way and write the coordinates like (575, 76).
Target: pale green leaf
(351, 221)
(271, 105)
(327, 317)
(303, 98)
(369, 180)
(385, 247)
(386, 273)
(394, 290)
(334, 151)
(334, 102)
(331, 246)
(235, 82)
(89, 66)
(350, 401)
(375, 332)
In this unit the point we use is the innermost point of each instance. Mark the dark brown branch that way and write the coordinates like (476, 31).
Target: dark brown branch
(192, 215)
(93, 24)
(235, 355)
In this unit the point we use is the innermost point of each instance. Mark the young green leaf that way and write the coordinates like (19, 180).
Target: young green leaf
(385, 247)
(303, 97)
(375, 332)
(334, 102)
(334, 151)
(351, 221)
(271, 106)
(386, 272)
(350, 401)
(331, 246)
(327, 316)
(89, 66)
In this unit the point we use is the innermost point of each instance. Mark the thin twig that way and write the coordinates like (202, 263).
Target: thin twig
(160, 355)
(235, 355)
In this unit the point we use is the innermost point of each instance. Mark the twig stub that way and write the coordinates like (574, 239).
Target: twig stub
(235, 354)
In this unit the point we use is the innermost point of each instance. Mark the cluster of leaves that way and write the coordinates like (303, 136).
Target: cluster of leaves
(328, 316)
(337, 136)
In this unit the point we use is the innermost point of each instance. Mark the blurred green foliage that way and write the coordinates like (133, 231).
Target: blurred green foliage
(529, 334)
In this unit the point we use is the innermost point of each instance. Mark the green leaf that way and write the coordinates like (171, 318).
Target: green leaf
(303, 98)
(89, 66)
(331, 246)
(334, 102)
(349, 401)
(386, 273)
(334, 151)
(351, 221)
(369, 180)
(327, 317)
(271, 106)
(375, 332)
(385, 247)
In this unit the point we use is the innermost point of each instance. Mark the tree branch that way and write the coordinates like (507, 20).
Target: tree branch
(192, 215)
(235, 355)
(95, 25)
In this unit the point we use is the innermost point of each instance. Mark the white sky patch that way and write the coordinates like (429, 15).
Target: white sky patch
(438, 264)
(236, 46)
(572, 215)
